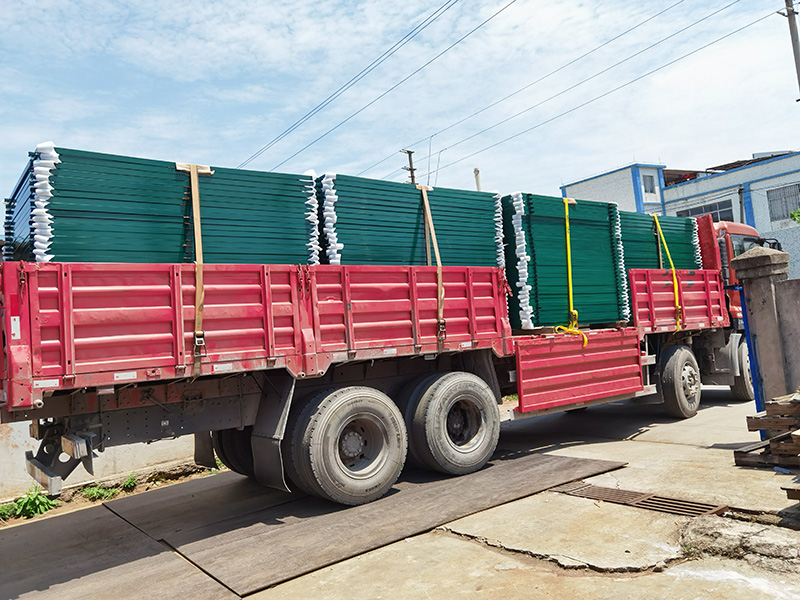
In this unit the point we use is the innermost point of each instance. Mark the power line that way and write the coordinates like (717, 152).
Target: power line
(580, 83)
(394, 87)
(355, 79)
(522, 89)
(596, 98)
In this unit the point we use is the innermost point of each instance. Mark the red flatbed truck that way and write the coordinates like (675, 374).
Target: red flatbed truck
(324, 378)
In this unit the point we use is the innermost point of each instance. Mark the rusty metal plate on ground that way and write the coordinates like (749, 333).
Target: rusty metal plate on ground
(672, 506)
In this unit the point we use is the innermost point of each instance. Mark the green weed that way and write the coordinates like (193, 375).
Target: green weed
(8, 511)
(129, 483)
(96, 492)
(34, 502)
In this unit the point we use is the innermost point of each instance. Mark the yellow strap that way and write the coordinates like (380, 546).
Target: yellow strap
(572, 327)
(442, 326)
(200, 293)
(678, 308)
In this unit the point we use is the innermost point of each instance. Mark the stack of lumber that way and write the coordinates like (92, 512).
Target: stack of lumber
(793, 489)
(374, 222)
(72, 205)
(781, 421)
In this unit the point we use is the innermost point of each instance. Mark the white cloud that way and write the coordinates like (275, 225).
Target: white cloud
(213, 82)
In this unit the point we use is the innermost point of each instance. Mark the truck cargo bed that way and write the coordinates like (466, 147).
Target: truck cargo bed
(76, 325)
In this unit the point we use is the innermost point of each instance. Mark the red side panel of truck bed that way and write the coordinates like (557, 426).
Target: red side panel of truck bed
(556, 370)
(74, 325)
(701, 295)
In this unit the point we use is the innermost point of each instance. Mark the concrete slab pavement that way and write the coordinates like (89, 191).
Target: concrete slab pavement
(440, 565)
(578, 532)
(555, 546)
(546, 545)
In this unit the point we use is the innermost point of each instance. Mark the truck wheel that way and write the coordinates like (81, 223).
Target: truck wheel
(234, 450)
(680, 382)
(348, 445)
(453, 423)
(219, 451)
(742, 387)
(295, 469)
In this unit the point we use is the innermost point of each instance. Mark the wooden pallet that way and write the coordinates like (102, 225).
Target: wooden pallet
(773, 422)
(759, 454)
(781, 418)
(792, 491)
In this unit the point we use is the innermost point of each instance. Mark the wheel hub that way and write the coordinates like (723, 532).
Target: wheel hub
(456, 422)
(464, 423)
(351, 444)
(690, 381)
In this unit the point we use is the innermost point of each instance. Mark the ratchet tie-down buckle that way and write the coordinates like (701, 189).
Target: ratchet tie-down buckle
(199, 350)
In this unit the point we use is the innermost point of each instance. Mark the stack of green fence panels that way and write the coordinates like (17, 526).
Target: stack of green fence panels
(82, 206)
(368, 221)
(255, 217)
(19, 207)
(536, 261)
(642, 245)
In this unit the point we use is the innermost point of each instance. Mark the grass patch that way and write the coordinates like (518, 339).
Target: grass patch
(97, 492)
(8, 511)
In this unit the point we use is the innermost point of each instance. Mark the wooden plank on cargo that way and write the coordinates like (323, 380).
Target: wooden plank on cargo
(779, 423)
(796, 436)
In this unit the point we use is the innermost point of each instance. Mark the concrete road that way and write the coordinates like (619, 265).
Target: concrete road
(544, 545)
(552, 545)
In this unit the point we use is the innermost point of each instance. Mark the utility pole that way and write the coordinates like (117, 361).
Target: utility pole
(477, 172)
(410, 168)
(790, 15)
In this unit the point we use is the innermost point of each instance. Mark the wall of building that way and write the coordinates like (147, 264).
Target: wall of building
(651, 201)
(754, 182)
(114, 462)
(616, 186)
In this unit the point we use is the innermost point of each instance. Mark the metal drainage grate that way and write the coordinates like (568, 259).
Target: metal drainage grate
(672, 506)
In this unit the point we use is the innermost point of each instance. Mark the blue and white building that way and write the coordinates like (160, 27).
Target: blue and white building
(761, 192)
(638, 188)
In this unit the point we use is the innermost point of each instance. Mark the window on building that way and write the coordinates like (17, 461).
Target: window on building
(782, 201)
(649, 184)
(719, 211)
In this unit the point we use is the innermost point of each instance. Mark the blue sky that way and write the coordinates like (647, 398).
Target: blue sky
(212, 82)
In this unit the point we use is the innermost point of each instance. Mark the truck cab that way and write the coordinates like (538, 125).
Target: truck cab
(734, 239)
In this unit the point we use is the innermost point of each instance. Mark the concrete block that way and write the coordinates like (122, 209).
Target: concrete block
(787, 304)
(760, 262)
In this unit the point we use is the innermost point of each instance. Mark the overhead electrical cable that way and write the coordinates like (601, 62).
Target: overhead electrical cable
(525, 87)
(608, 93)
(394, 87)
(355, 79)
(580, 83)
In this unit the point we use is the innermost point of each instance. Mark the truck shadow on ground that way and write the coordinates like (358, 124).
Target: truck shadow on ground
(622, 420)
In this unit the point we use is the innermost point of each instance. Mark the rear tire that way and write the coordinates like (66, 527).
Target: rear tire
(680, 382)
(234, 450)
(742, 387)
(453, 423)
(348, 445)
